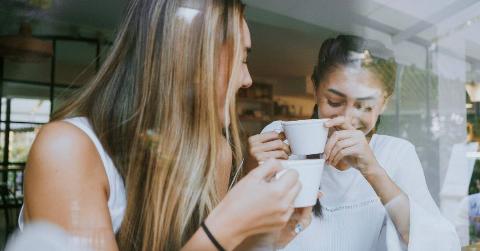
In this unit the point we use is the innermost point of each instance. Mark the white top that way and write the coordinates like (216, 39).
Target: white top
(354, 218)
(117, 199)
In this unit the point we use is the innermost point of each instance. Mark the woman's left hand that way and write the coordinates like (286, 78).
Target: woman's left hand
(300, 220)
(349, 145)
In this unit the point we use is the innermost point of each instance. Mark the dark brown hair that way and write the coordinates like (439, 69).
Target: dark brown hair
(337, 52)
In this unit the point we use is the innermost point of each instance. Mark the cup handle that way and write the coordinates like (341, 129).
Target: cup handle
(279, 130)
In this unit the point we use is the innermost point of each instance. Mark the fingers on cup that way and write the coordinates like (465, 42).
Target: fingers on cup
(340, 145)
(342, 154)
(267, 169)
(332, 141)
(279, 154)
(264, 137)
(340, 122)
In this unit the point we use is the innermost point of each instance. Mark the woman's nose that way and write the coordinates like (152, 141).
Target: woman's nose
(247, 81)
(352, 115)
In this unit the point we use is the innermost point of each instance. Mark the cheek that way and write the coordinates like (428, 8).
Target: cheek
(368, 120)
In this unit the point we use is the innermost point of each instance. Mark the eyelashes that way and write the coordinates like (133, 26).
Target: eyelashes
(358, 107)
(334, 104)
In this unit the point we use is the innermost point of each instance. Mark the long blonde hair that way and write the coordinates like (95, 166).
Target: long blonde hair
(153, 105)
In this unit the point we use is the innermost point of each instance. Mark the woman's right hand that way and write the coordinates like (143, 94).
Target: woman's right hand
(258, 203)
(266, 146)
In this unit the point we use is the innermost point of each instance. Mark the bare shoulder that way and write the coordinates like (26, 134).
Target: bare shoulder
(64, 174)
(63, 148)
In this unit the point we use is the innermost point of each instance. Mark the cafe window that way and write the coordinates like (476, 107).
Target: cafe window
(435, 104)
(30, 91)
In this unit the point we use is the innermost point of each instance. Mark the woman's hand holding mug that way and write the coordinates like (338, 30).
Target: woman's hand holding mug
(258, 203)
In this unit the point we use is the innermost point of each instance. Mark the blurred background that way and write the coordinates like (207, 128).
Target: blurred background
(48, 48)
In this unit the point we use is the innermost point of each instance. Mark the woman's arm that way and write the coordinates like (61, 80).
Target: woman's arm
(429, 230)
(405, 195)
(266, 145)
(349, 147)
(257, 204)
(393, 198)
(223, 227)
(66, 184)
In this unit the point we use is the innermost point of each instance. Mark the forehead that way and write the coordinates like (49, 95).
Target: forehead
(246, 35)
(353, 82)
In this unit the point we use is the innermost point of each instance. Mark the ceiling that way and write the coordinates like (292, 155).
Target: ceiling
(286, 34)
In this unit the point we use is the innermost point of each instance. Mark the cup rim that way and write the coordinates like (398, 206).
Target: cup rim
(304, 161)
(303, 122)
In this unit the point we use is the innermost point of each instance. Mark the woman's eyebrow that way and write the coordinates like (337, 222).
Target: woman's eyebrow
(344, 95)
(366, 98)
(337, 93)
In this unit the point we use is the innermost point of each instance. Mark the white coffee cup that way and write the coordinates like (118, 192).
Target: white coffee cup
(310, 174)
(306, 136)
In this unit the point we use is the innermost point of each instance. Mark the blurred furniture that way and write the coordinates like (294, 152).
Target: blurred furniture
(255, 107)
(11, 197)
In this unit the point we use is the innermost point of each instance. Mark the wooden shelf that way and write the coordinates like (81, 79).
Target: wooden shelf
(255, 100)
(308, 96)
(253, 119)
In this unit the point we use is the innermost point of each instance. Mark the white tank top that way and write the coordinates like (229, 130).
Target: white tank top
(117, 199)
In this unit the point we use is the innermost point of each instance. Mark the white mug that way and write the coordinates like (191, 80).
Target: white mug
(310, 174)
(306, 137)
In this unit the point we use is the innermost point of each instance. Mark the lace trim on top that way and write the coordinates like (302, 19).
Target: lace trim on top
(351, 206)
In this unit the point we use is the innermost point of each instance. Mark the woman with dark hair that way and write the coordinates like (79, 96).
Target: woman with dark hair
(374, 192)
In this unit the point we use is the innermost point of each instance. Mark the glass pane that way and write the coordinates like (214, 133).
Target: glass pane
(24, 90)
(4, 107)
(75, 62)
(30, 110)
(435, 104)
(61, 95)
(28, 71)
(2, 141)
(21, 138)
(12, 179)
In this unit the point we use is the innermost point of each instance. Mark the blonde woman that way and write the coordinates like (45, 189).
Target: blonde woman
(140, 151)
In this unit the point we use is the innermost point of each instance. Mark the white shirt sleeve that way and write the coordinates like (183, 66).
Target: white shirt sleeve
(462, 222)
(429, 230)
